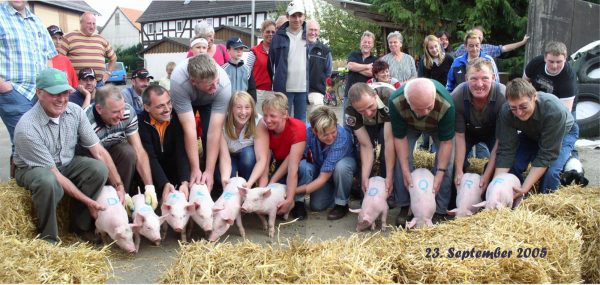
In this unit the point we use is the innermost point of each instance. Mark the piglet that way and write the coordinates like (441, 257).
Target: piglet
(374, 205)
(202, 212)
(263, 201)
(468, 194)
(113, 220)
(149, 222)
(422, 198)
(177, 211)
(227, 209)
(500, 192)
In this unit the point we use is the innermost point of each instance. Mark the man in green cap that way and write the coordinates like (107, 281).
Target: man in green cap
(45, 140)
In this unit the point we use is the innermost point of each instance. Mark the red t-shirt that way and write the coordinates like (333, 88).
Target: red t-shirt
(259, 70)
(63, 63)
(281, 144)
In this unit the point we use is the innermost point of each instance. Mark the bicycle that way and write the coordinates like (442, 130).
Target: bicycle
(336, 84)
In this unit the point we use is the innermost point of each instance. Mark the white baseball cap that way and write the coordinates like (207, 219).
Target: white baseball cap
(295, 7)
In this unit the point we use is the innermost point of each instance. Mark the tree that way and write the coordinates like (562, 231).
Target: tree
(340, 29)
(505, 21)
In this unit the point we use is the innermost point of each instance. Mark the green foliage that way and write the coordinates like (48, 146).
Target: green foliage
(341, 30)
(505, 21)
(129, 56)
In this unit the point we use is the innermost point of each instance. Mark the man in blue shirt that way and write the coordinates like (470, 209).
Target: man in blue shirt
(140, 79)
(328, 168)
(26, 49)
(85, 94)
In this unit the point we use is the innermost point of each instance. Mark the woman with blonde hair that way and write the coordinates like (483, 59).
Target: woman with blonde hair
(244, 147)
(435, 63)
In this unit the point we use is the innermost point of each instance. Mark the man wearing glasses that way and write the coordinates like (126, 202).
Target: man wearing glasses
(162, 138)
(547, 136)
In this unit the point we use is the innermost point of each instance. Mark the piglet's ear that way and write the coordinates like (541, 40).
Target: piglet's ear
(267, 193)
(243, 191)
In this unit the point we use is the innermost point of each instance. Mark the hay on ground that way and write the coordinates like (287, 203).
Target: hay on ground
(37, 261)
(17, 215)
(578, 205)
(425, 159)
(399, 257)
(506, 230)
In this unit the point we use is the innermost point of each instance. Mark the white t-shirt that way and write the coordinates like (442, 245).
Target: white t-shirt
(296, 68)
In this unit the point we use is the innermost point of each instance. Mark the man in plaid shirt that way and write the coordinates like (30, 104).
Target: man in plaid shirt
(26, 48)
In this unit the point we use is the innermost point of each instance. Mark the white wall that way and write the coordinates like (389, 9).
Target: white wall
(123, 35)
(156, 63)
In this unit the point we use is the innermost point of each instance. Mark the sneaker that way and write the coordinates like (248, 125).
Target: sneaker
(337, 212)
(402, 217)
(299, 210)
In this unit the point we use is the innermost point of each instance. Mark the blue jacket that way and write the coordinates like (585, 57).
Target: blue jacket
(458, 70)
(278, 54)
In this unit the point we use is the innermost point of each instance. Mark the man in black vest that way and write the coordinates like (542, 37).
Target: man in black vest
(320, 61)
(477, 102)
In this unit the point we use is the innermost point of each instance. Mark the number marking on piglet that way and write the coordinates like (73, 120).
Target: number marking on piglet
(112, 201)
(372, 191)
(423, 184)
(173, 196)
(199, 194)
(498, 180)
(469, 183)
(228, 195)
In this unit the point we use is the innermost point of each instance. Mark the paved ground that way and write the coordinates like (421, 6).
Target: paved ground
(151, 261)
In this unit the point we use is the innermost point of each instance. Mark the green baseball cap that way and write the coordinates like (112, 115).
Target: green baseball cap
(53, 81)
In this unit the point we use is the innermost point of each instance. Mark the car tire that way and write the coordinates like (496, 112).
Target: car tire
(590, 64)
(588, 110)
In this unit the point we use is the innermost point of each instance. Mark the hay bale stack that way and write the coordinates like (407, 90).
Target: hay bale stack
(17, 215)
(37, 261)
(344, 260)
(476, 165)
(397, 258)
(507, 230)
(423, 159)
(578, 205)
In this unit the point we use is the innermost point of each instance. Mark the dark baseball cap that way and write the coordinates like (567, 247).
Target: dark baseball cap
(235, 42)
(54, 29)
(86, 72)
(141, 73)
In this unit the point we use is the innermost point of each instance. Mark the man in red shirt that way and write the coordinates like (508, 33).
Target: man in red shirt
(60, 61)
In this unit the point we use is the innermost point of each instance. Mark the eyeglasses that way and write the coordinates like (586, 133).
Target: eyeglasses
(269, 32)
(521, 107)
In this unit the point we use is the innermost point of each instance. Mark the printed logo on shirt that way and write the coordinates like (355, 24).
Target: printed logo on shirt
(350, 120)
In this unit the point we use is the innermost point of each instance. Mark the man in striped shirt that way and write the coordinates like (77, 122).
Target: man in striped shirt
(25, 49)
(86, 48)
(116, 124)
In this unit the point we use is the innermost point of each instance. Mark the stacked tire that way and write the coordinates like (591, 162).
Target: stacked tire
(588, 98)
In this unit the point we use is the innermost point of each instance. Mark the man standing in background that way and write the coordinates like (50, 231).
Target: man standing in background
(86, 48)
(29, 50)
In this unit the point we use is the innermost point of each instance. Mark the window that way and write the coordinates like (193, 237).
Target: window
(243, 21)
(159, 28)
(209, 21)
(150, 28)
(230, 21)
(179, 26)
(117, 19)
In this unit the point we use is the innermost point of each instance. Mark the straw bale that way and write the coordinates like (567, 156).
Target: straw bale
(423, 159)
(575, 204)
(37, 261)
(17, 215)
(476, 165)
(399, 257)
(343, 260)
(507, 230)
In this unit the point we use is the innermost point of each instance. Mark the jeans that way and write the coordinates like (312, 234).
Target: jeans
(442, 198)
(297, 102)
(335, 191)
(528, 150)
(12, 106)
(425, 143)
(480, 149)
(242, 163)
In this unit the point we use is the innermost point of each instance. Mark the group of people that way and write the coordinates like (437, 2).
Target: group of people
(75, 135)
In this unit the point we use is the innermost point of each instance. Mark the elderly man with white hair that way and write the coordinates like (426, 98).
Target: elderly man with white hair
(423, 106)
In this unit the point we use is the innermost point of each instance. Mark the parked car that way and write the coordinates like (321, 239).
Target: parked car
(119, 74)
